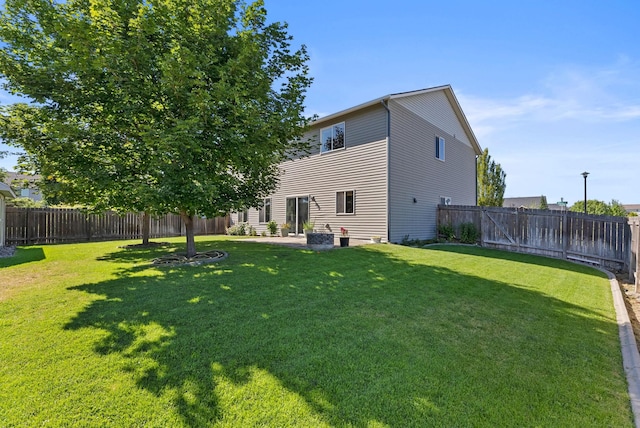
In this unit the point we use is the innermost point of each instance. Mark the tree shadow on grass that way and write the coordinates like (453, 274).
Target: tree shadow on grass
(23, 255)
(361, 337)
(140, 254)
(538, 260)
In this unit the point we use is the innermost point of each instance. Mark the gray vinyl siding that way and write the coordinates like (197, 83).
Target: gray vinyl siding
(3, 215)
(435, 107)
(386, 175)
(362, 168)
(361, 127)
(416, 173)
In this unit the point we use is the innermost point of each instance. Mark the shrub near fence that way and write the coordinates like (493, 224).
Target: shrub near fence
(602, 240)
(26, 226)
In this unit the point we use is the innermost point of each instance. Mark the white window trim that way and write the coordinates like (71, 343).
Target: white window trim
(345, 202)
(444, 143)
(264, 201)
(332, 126)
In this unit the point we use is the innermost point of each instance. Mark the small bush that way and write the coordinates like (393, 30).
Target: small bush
(447, 232)
(406, 241)
(239, 229)
(469, 233)
(272, 226)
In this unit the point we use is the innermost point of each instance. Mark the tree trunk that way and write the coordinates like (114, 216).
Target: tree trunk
(146, 227)
(188, 225)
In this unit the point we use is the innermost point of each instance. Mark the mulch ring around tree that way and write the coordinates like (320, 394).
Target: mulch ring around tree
(181, 259)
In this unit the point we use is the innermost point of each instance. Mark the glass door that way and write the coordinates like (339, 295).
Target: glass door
(297, 212)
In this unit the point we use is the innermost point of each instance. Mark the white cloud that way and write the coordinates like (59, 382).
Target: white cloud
(570, 93)
(572, 120)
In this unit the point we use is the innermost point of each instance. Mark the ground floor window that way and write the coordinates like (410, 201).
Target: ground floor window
(264, 213)
(345, 202)
(243, 216)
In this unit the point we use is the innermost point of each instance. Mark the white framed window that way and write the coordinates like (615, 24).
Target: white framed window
(243, 216)
(332, 138)
(346, 202)
(264, 212)
(445, 200)
(439, 148)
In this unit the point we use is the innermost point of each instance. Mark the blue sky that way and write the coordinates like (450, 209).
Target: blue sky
(552, 88)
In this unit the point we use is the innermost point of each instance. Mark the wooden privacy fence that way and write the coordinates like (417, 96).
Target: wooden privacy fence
(26, 226)
(634, 256)
(610, 242)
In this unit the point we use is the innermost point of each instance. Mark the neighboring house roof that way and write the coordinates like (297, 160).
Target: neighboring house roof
(635, 208)
(25, 185)
(11, 176)
(445, 88)
(523, 202)
(6, 191)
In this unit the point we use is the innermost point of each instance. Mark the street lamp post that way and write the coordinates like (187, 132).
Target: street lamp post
(584, 174)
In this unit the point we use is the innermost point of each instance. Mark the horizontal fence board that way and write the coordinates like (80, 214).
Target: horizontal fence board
(611, 242)
(28, 226)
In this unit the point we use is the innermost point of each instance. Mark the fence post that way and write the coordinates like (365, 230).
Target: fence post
(565, 235)
(482, 228)
(28, 228)
(634, 251)
(636, 233)
(518, 230)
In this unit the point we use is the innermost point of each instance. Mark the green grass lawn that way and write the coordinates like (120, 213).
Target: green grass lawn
(370, 336)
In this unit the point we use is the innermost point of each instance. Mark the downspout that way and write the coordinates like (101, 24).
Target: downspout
(477, 156)
(386, 107)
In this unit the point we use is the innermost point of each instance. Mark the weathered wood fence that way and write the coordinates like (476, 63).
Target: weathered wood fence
(26, 226)
(634, 256)
(610, 242)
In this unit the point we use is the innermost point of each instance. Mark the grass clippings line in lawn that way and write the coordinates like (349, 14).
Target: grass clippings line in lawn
(380, 335)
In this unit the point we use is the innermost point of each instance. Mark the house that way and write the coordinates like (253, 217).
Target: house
(5, 193)
(632, 208)
(378, 169)
(530, 202)
(26, 185)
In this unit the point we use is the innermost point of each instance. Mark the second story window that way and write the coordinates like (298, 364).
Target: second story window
(440, 148)
(332, 137)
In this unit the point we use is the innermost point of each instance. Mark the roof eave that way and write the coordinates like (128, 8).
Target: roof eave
(332, 116)
(6, 191)
(450, 96)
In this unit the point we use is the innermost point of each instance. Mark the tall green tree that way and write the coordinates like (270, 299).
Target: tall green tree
(183, 106)
(3, 172)
(597, 207)
(617, 209)
(491, 181)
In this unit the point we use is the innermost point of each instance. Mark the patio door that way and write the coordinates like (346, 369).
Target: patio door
(297, 212)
